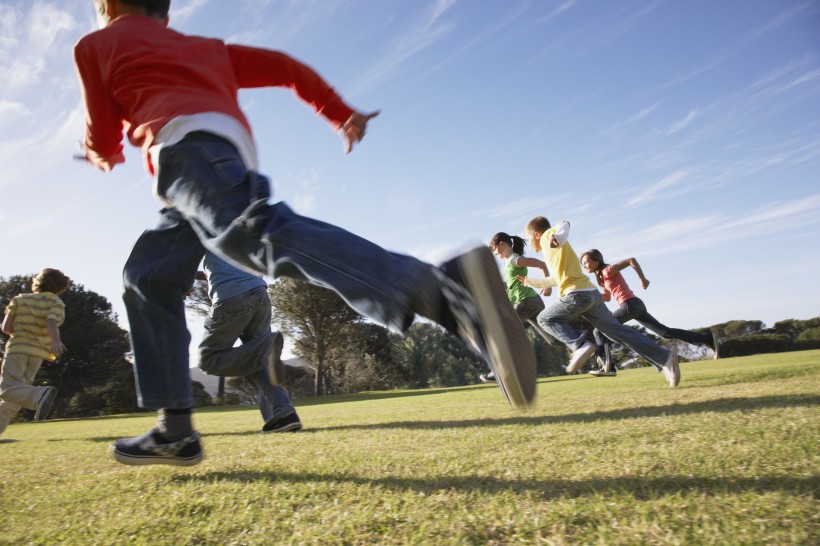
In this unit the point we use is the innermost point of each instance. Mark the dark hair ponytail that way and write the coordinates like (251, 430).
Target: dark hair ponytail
(516, 242)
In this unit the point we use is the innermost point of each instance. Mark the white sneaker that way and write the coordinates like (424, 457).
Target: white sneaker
(484, 318)
(671, 370)
(580, 356)
(716, 344)
(607, 357)
(602, 373)
(45, 404)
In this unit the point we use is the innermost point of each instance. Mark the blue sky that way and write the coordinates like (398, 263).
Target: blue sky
(685, 134)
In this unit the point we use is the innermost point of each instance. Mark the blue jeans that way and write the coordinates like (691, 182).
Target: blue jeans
(220, 205)
(589, 305)
(635, 309)
(245, 317)
(528, 310)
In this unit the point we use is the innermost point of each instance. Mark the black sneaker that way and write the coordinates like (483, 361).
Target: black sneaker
(288, 423)
(46, 404)
(276, 368)
(479, 313)
(152, 448)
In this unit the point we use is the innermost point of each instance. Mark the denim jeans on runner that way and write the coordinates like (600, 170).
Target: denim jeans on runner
(246, 317)
(589, 305)
(217, 203)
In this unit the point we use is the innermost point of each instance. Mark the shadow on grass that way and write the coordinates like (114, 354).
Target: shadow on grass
(723, 405)
(640, 488)
(709, 406)
(380, 395)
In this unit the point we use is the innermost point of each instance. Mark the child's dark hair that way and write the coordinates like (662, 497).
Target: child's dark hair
(516, 242)
(153, 8)
(50, 280)
(595, 254)
(539, 224)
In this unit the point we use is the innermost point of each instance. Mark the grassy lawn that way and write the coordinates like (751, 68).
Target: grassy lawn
(730, 457)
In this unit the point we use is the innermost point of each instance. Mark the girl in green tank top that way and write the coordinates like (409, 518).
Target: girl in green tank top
(525, 300)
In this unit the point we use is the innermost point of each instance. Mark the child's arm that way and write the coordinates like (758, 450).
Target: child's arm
(8, 323)
(546, 282)
(57, 347)
(561, 234)
(258, 67)
(103, 137)
(525, 261)
(623, 264)
(605, 293)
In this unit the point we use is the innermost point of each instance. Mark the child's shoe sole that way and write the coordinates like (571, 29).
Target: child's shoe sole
(506, 341)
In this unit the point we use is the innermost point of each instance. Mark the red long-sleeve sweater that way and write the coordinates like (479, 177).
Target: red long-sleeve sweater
(137, 75)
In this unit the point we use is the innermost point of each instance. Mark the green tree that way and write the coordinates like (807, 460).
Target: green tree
(550, 358)
(369, 364)
(417, 351)
(735, 328)
(94, 377)
(319, 323)
(430, 357)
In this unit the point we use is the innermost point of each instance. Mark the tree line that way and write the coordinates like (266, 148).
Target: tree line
(341, 352)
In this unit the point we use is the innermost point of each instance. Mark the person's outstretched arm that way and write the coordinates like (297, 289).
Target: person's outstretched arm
(526, 261)
(8, 323)
(632, 262)
(57, 347)
(561, 234)
(258, 67)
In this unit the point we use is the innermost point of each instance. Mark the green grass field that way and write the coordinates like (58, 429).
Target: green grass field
(730, 457)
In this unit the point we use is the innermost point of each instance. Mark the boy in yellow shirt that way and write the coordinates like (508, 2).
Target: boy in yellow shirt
(579, 298)
(33, 323)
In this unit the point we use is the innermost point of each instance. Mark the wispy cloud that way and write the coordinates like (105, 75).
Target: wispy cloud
(11, 110)
(679, 125)
(799, 9)
(300, 191)
(33, 225)
(618, 128)
(282, 21)
(421, 34)
(661, 186)
(772, 221)
(29, 42)
(182, 11)
(556, 12)
(511, 17)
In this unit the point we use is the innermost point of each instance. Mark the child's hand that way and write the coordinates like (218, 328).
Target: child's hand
(553, 241)
(546, 291)
(354, 128)
(105, 164)
(58, 348)
(645, 283)
(522, 279)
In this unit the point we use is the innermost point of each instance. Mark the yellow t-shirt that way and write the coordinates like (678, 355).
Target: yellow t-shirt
(31, 315)
(564, 266)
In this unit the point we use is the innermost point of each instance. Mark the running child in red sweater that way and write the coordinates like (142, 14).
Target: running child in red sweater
(176, 98)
